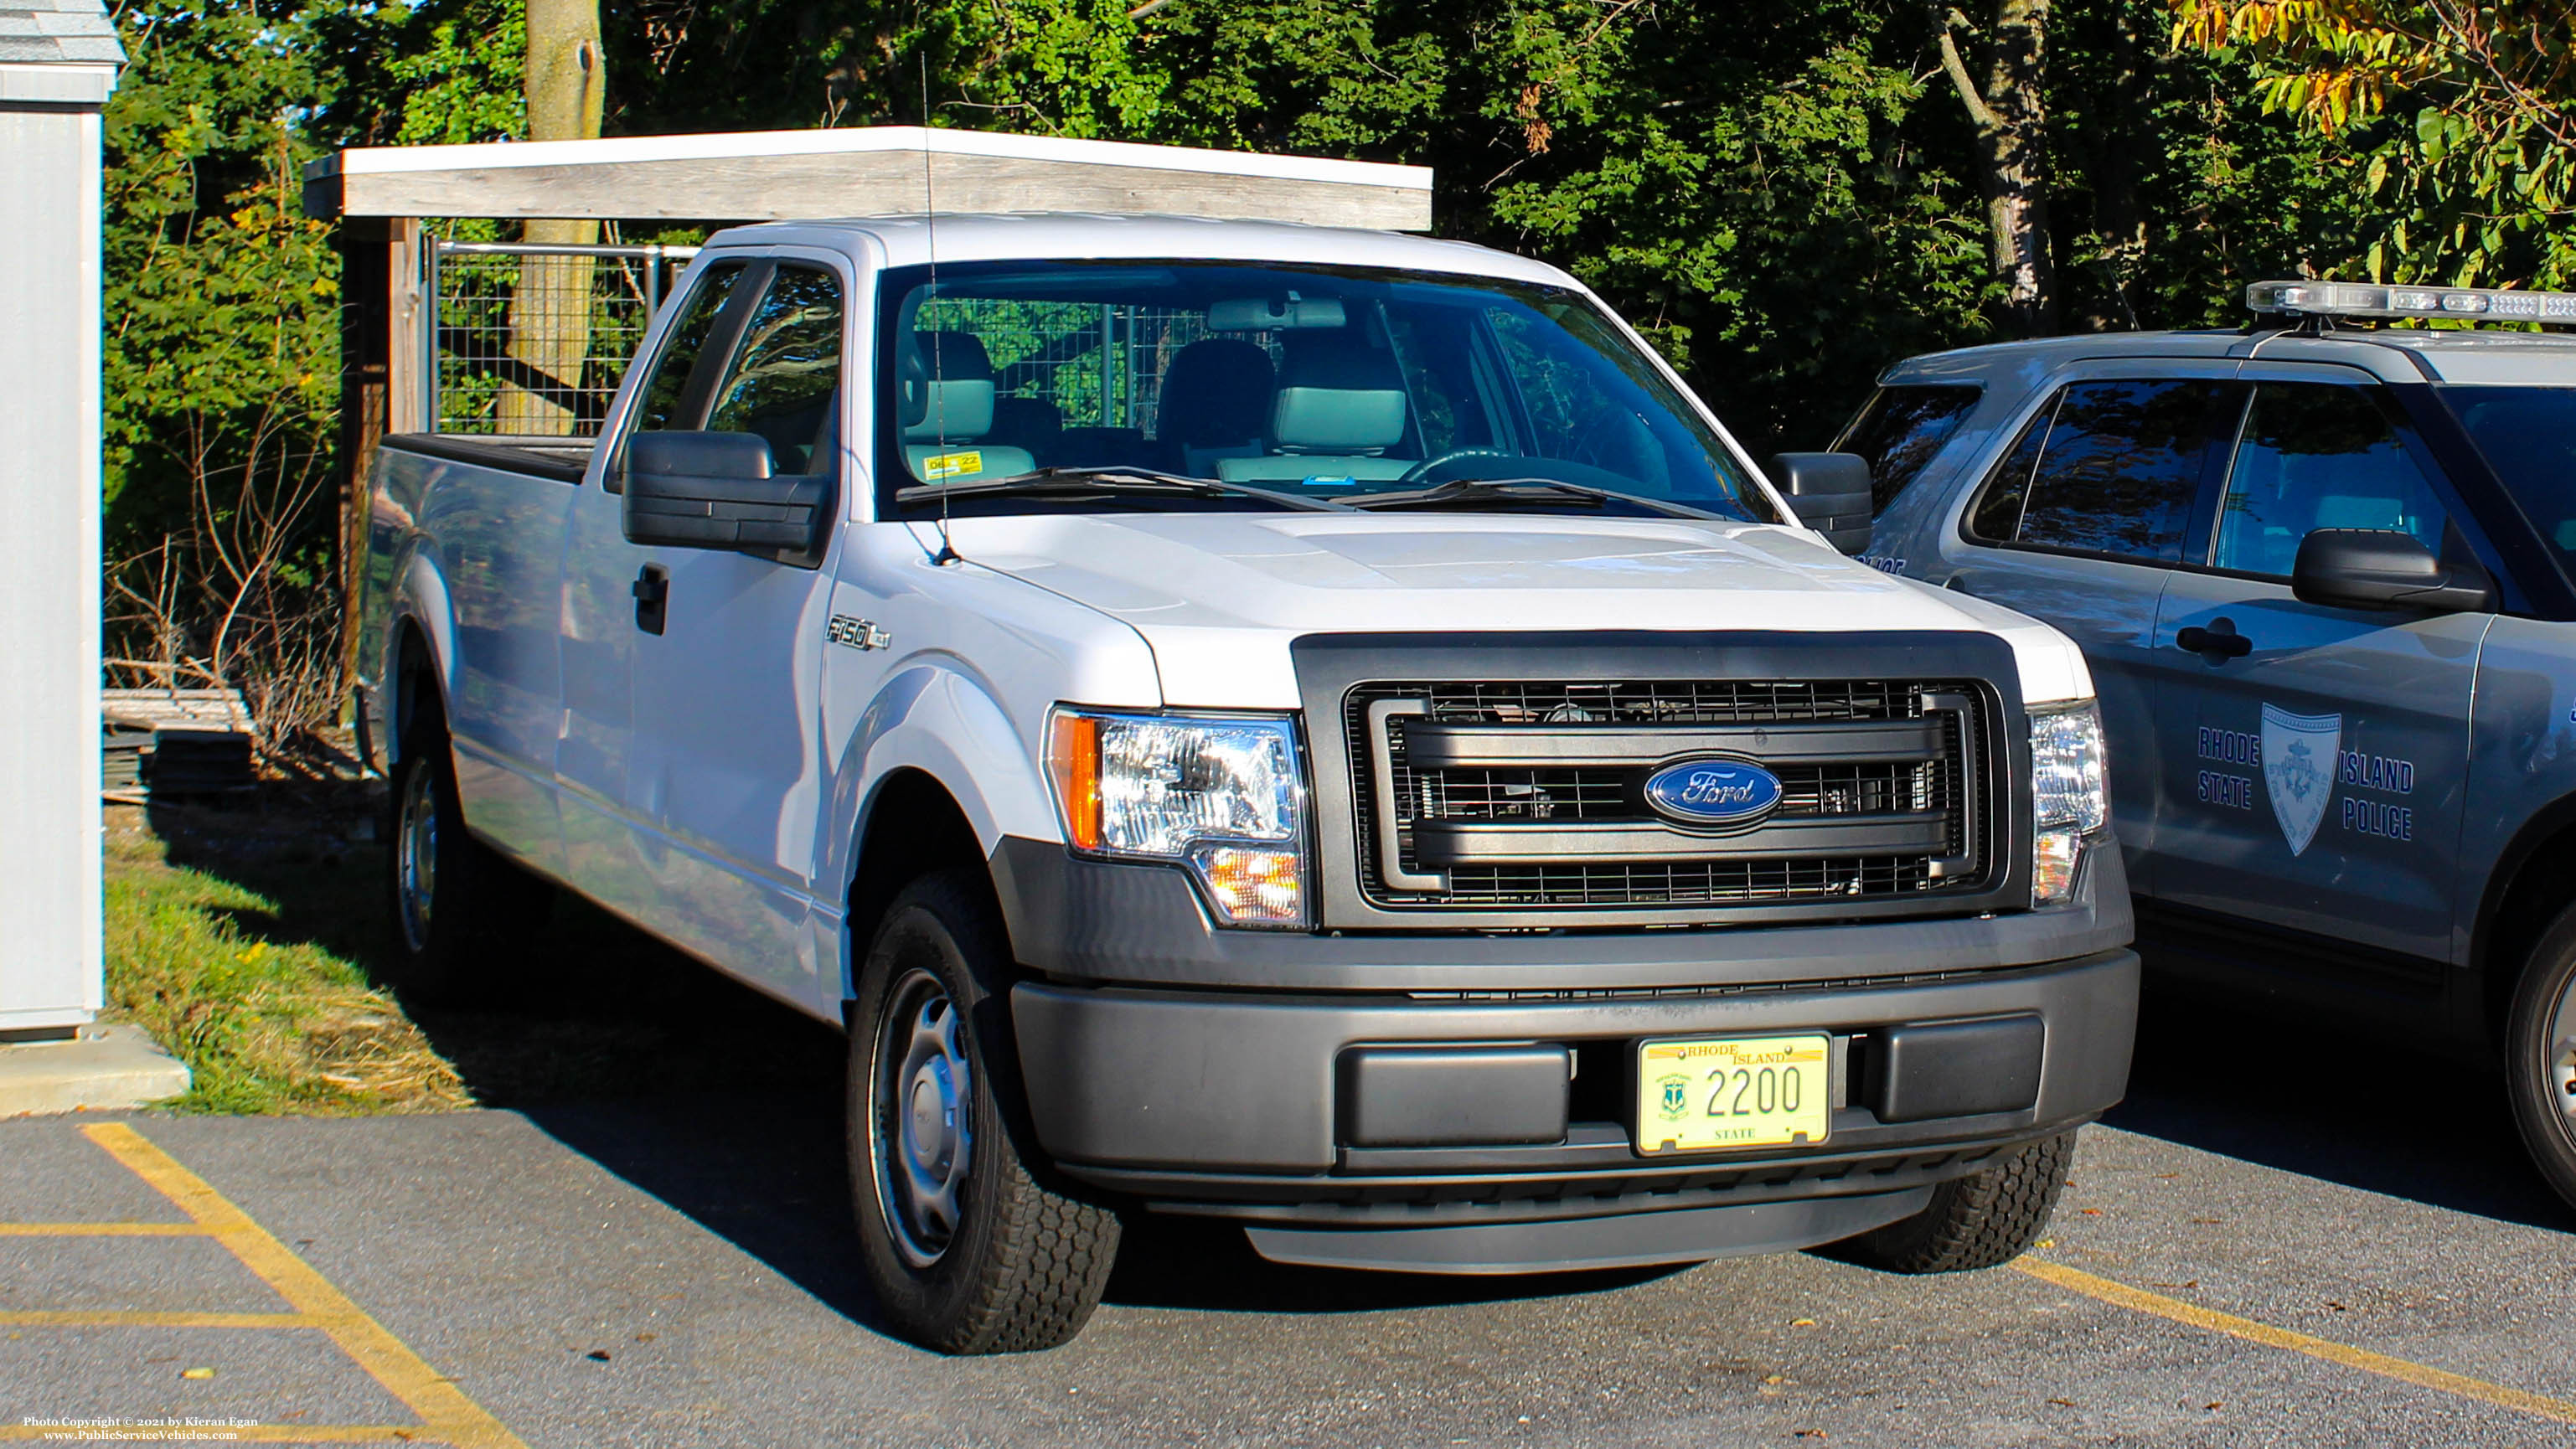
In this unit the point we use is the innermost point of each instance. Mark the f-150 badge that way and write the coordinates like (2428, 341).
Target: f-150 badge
(857, 633)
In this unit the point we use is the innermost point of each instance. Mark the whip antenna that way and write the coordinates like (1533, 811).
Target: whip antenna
(930, 243)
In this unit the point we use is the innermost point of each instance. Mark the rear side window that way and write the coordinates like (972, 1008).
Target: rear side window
(1899, 430)
(2107, 468)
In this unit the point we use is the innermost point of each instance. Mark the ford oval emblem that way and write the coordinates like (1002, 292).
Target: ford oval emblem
(1713, 792)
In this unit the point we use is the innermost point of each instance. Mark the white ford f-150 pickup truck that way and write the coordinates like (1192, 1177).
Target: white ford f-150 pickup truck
(1313, 728)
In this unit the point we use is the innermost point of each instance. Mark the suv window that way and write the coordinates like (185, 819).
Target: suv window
(2107, 468)
(1899, 430)
(2318, 455)
(2528, 435)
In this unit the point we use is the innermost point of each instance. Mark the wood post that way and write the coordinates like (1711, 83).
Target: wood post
(380, 384)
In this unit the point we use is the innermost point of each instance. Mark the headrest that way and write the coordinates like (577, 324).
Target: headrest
(954, 356)
(957, 403)
(1336, 395)
(1216, 392)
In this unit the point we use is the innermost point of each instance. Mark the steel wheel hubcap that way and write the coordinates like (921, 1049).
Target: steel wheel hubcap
(416, 857)
(922, 1099)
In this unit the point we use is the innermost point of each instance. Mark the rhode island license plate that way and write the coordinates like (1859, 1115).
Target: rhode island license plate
(1700, 1094)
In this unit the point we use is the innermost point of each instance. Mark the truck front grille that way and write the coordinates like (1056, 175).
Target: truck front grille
(1531, 794)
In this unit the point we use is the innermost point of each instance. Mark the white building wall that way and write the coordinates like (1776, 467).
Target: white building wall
(50, 932)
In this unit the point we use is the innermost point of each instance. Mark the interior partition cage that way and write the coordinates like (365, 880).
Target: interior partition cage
(532, 340)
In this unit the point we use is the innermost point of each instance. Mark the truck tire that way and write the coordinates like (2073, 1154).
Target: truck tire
(967, 1250)
(459, 910)
(1982, 1220)
(2540, 1054)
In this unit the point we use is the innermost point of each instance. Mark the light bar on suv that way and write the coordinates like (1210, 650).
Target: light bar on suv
(2366, 299)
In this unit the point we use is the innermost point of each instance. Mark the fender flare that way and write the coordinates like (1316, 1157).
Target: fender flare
(2543, 829)
(934, 715)
(421, 603)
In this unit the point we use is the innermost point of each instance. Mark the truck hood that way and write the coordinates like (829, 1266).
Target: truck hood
(1218, 596)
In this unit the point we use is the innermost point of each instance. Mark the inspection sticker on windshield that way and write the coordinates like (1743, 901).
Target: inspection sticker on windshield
(1703, 1095)
(951, 465)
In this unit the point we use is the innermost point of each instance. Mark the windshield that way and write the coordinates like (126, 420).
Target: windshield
(2528, 436)
(1329, 383)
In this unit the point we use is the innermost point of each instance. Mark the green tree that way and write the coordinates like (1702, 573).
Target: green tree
(2466, 115)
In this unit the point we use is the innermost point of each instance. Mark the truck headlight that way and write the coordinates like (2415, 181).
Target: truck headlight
(2068, 800)
(1223, 796)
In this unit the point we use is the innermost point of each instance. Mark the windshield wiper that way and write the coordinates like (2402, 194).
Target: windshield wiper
(1141, 482)
(1472, 491)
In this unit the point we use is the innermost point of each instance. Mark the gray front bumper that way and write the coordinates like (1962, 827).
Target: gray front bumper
(1213, 1096)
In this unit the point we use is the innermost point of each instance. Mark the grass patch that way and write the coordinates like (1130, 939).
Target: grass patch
(246, 941)
(271, 1013)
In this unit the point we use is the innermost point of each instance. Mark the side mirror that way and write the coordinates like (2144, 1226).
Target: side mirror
(2377, 568)
(1830, 494)
(715, 490)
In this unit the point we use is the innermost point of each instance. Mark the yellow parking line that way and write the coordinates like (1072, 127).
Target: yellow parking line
(2404, 1370)
(101, 1230)
(284, 1434)
(451, 1416)
(146, 1318)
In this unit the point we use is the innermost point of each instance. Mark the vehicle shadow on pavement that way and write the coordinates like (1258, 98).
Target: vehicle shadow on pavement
(2329, 1100)
(717, 1101)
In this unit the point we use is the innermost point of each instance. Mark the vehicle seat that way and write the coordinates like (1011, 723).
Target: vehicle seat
(1215, 401)
(802, 439)
(944, 445)
(1029, 423)
(1340, 406)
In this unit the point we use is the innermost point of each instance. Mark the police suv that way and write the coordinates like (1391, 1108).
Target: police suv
(2325, 576)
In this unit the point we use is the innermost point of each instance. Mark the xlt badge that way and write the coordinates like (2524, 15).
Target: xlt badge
(857, 633)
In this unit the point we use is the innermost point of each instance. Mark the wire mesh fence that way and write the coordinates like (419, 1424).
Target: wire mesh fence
(532, 341)
(1078, 367)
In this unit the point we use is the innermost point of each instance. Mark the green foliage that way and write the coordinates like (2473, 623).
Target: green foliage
(2463, 119)
(1774, 195)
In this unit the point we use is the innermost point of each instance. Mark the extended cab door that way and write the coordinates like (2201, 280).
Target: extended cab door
(722, 779)
(2317, 756)
(2079, 522)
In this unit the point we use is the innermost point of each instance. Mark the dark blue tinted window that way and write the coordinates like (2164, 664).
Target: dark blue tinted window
(2528, 435)
(1899, 431)
(2110, 468)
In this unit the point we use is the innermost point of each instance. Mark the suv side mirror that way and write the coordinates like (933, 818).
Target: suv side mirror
(715, 490)
(1830, 494)
(2377, 568)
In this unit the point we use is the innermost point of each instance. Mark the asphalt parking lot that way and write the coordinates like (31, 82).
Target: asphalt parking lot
(2245, 1258)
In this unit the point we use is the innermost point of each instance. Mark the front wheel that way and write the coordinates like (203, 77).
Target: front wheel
(2540, 1055)
(1982, 1220)
(967, 1251)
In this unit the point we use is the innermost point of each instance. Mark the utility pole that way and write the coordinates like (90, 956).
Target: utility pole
(565, 83)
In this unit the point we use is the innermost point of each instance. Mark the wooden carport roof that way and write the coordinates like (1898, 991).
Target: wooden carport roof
(870, 171)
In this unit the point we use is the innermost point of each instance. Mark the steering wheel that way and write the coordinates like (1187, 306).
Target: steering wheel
(1416, 473)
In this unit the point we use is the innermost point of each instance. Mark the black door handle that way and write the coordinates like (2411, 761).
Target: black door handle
(2222, 640)
(652, 598)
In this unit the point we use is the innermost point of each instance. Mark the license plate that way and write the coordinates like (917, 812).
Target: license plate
(1699, 1094)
